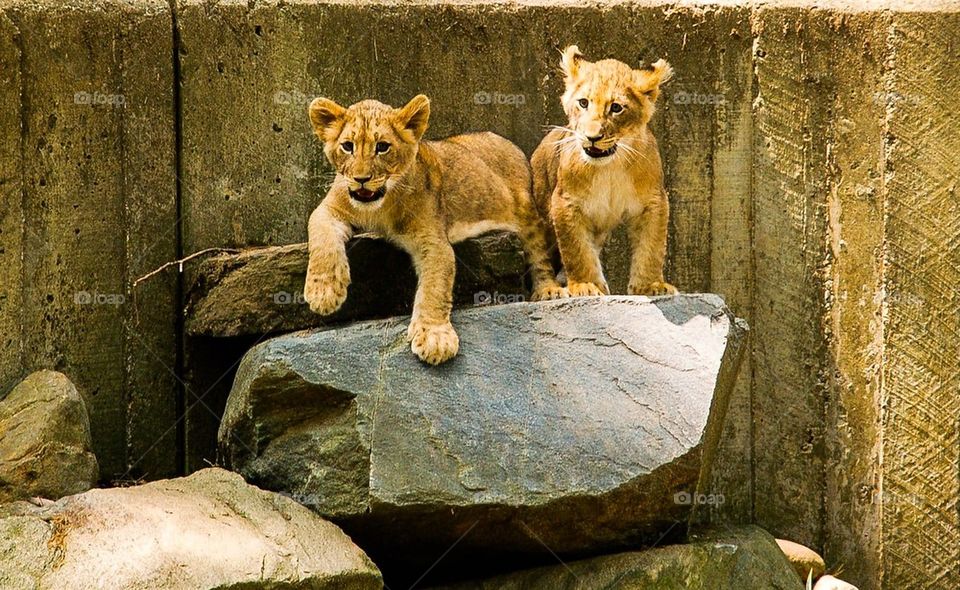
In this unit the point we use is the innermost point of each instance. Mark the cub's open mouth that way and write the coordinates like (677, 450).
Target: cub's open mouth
(595, 152)
(368, 196)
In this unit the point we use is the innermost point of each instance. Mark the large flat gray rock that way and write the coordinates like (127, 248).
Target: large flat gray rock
(209, 530)
(570, 425)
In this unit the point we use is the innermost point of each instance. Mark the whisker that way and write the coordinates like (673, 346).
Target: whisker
(397, 183)
(565, 140)
(631, 150)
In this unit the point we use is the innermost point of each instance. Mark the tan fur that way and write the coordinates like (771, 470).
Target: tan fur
(435, 193)
(586, 198)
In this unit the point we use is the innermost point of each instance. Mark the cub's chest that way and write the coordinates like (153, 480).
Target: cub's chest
(608, 197)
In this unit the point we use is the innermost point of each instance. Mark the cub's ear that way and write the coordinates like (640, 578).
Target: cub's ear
(649, 79)
(415, 115)
(571, 61)
(324, 113)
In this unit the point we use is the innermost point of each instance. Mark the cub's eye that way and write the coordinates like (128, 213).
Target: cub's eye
(616, 108)
(583, 103)
(382, 147)
(347, 147)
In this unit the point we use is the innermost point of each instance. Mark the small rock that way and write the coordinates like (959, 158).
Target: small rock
(741, 558)
(208, 530)
(831, 583)
(803, 559)
(260, 291)
(45, 447)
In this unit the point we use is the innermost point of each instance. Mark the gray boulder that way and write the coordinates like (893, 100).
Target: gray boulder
(209, 530)
(745, 558)
(580, 425)
(45, 447)
(260, 291)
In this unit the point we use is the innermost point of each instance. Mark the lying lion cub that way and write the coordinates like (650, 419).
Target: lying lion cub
(422, 196)
(605, 168)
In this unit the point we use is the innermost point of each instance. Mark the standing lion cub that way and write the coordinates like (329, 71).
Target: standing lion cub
(602, 169)
(422, 196)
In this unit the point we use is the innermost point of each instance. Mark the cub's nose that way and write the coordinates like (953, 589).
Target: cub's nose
(362, 179)
(595, 138)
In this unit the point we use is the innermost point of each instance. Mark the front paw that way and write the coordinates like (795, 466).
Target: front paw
(548, 292)
(433, 344)
(585, 289)
(652, 289)
(326, 291)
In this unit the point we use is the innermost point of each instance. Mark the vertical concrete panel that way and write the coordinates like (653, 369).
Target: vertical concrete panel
(854, 295)
(251, 172)
(687, 111)
(97, 162)
(921, 381)
(245, 174)
(75, 276)
(789, 196)
(731, 256)
(150, 207)
(11, 207)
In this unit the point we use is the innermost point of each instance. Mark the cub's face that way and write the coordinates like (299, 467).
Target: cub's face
(370, 144)
(607, 102)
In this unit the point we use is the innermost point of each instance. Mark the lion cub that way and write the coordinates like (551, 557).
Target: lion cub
(422, 196)
(605, 168)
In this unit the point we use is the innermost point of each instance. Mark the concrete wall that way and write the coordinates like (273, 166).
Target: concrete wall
(88, 205)
(812, 159)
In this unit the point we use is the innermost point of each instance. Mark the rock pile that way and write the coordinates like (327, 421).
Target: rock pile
(580, 430)
(571, 427)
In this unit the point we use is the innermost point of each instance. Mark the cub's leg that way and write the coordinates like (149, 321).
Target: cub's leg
(533, 235)
(328, 271)
(648, 236)
(580, 256)
(431, 335)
